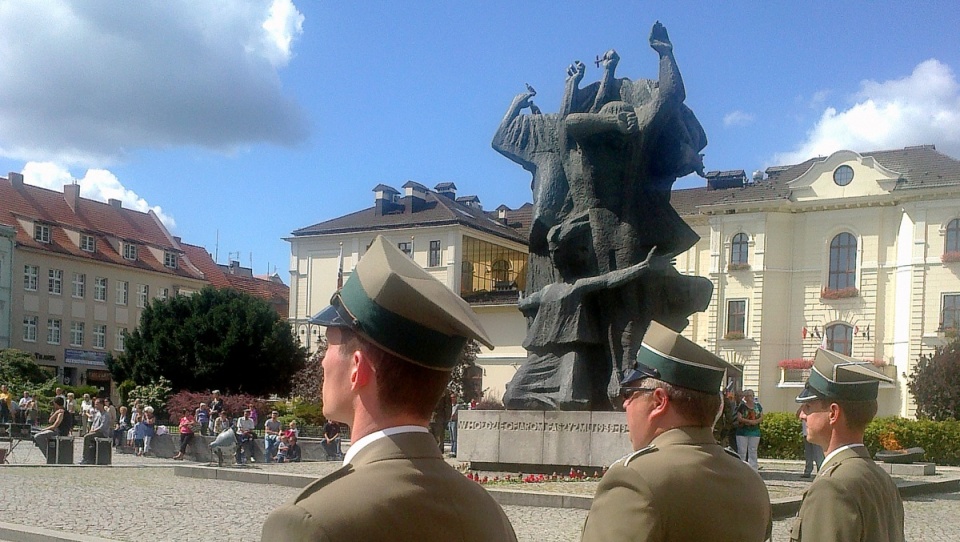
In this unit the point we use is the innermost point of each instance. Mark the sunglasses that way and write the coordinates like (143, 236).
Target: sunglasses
(627, 392)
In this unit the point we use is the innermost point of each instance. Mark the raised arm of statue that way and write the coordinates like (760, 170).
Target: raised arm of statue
(606, 93)
(613, 117)
(671, 84)
(509, 139)
(575, 74)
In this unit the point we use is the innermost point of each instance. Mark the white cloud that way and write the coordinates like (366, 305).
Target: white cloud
(921, 108)
(737, 118)
(83, 83)
(96, 184)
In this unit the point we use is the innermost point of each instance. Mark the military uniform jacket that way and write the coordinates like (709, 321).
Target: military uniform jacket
(852, 499)
(396, 488)
(683, 487)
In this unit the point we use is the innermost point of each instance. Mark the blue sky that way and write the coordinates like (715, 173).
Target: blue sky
(252, 118)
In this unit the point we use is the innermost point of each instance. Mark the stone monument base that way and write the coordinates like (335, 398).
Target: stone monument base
(541, 441)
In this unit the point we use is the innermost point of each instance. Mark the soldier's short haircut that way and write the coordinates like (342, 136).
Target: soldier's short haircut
(699, 408)
(401, 386)
(858, 413)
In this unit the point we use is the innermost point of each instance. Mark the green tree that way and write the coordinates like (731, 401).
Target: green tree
(21, 373)
(216, 338)
(307, 383)
(935, 384)
(463, 377)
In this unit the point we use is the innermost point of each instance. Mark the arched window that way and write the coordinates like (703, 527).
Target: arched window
(840, 339)
(739, 247)
(843, 262)
(500, 271)
(953, 236)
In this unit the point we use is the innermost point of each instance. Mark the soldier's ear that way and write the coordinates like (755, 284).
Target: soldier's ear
(361, 370)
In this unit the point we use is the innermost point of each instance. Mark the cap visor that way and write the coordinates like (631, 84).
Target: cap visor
(332, 316)
(639, 372)
(808, 394)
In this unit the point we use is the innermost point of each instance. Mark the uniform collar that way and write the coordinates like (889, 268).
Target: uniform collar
(375, 436)
(685, 435)
(856, 448)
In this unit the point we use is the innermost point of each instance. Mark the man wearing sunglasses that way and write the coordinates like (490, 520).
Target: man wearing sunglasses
(678, 483)
(852, 498)
(394, 334)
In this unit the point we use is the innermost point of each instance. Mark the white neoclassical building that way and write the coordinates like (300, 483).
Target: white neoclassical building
(859, 252)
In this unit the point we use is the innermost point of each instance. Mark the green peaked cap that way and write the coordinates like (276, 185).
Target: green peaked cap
(840, 377)
(668, 356)
(392, 302)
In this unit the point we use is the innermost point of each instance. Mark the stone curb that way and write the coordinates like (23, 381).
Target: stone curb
(782, 508)
(24, 533)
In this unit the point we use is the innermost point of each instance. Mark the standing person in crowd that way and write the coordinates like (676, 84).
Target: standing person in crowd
(112, 411)
(149, 424)
(203, 418)
(59, 393)
(86, 406)
(187, 422)
(121, 428)
(331, 440)
(70, 406)
(216, 407)
(749, 416)
(290, 453)
(245, 438)
(222, 423)
(395, 484)
(271, 436)
(292, 429)
(33, 413)
(254, 415)
(812, 454)
(852, 498)
(22, 407)
(6, 404)
(56, 426)
(679, 483)
(454, 408)
(99, 428)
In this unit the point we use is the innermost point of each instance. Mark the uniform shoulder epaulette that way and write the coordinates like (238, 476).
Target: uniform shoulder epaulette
(731, 451)
(633, 455)
(313, 487)
(829, 470)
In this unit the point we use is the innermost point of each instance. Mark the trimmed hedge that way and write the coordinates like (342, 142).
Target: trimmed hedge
(781, 438)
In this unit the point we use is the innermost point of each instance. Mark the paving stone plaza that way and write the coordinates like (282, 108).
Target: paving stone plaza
(141, 498)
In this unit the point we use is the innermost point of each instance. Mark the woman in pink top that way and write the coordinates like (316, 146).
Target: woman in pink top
(186, 432)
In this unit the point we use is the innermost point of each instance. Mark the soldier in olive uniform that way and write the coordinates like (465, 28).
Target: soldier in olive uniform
(394, 333)
(852, 499)
(678, 484)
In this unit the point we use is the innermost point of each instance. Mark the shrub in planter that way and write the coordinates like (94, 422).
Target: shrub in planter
(940, 440)
(795, 364)
(841, 293)
(950, 257)
(780, 436)
(733, 335)
(738, 267)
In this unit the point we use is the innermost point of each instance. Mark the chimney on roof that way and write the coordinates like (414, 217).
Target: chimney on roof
(16, 179)
(71, 193)
(385, 200)
(414, 197)
(719, 180)
(115, 203)
(448, 190)
(502, 213)
(470, 201)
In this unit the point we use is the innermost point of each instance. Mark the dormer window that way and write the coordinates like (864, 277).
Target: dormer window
(41, 232)
(130, 251)
(170, 259)
(843, 175)
(88, 243)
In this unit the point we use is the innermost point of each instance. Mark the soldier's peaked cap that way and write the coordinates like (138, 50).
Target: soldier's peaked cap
(668, 356)
(392, 302)
(841, 378)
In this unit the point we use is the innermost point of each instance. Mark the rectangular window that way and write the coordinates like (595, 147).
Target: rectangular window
(130, 251)
(99, 335)
(406, 248)
(100, 289)
(170, 259)
(55, 281)
(434, 253)
(122, 292)
(41, 232)
(30, 329)
(76, 333)
(950, 314)
(88, 243)
(79, 285)
(143, 294)
(31, 276)
(737, 317)
(163, 293)
(121, 339)
(53, 331)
